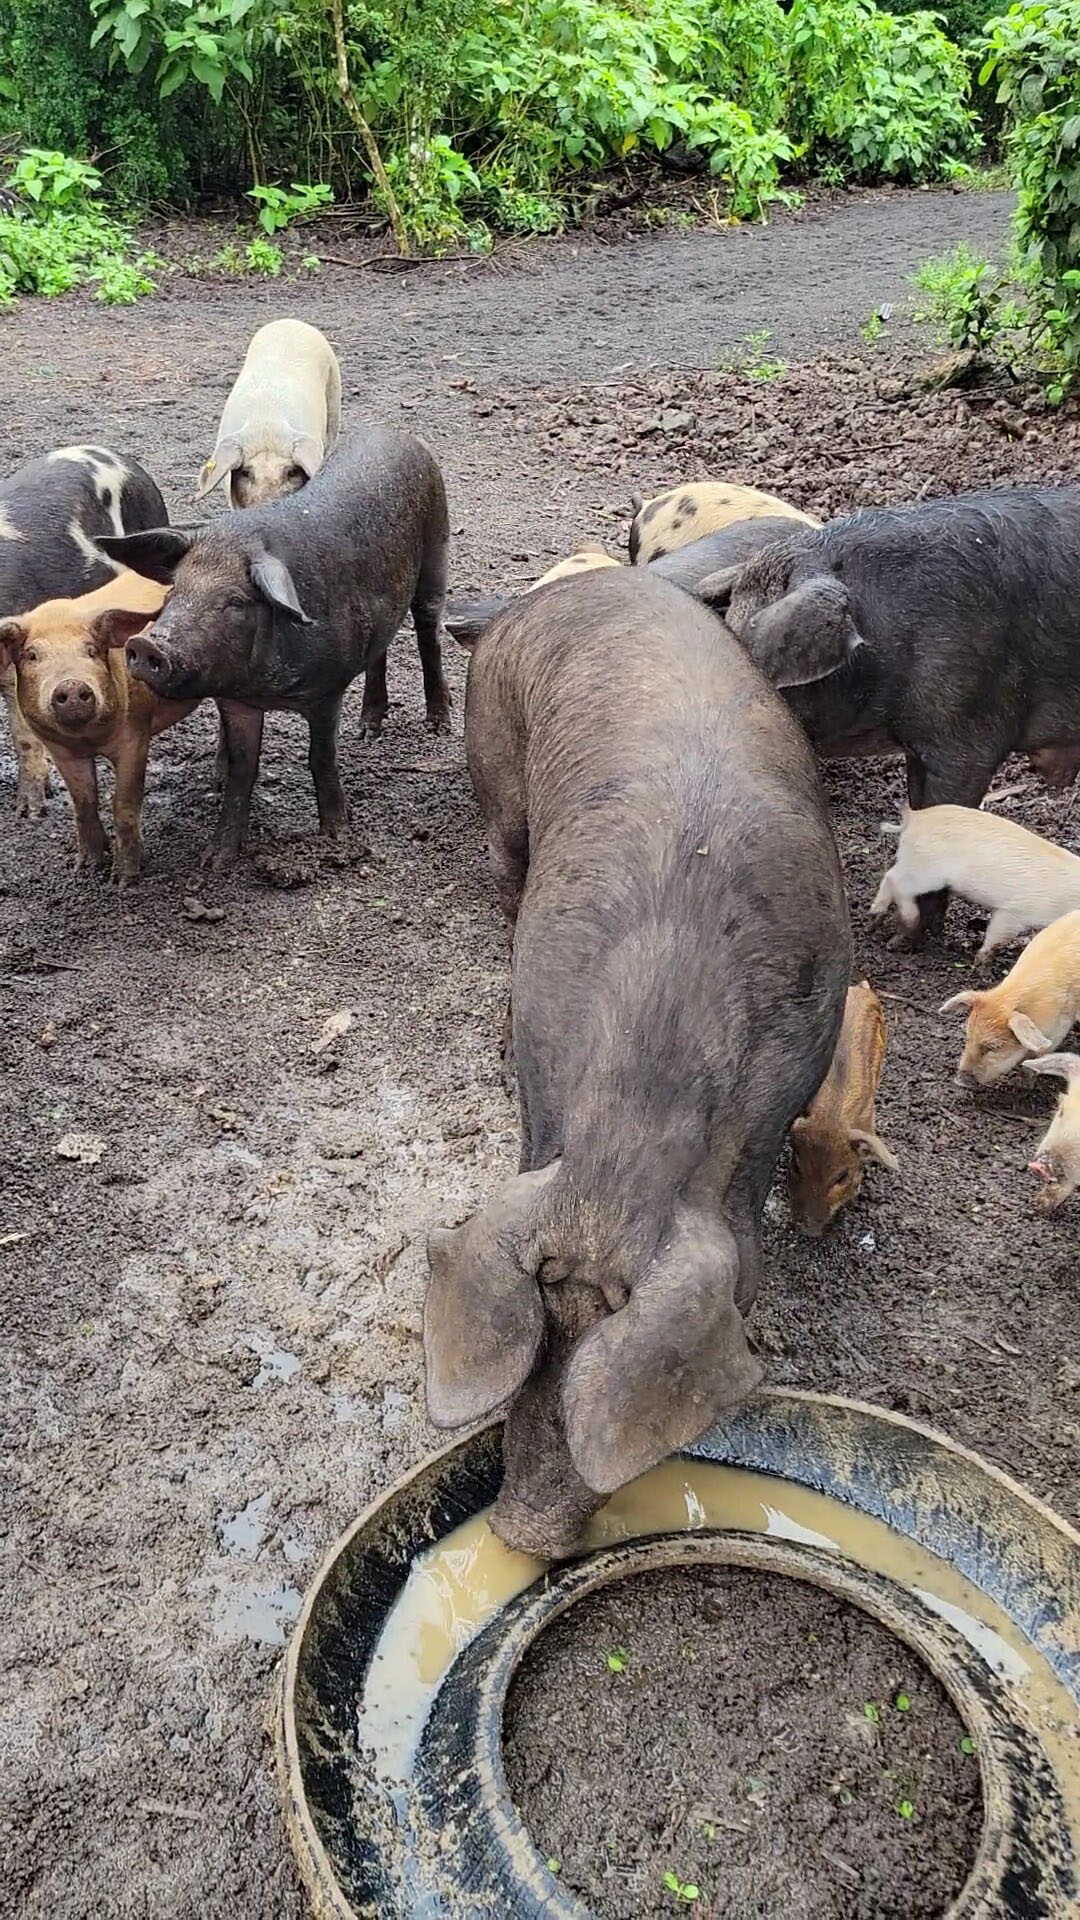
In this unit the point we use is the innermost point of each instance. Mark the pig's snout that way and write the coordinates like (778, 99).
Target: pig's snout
(148, 659)
(962, 1078)
(73, 703)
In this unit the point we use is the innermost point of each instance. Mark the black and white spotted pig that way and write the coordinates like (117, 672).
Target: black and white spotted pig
(52, 511)
(682, 514)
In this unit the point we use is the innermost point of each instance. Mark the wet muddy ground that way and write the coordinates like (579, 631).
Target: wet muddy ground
(760, 1741)
(209, 1336)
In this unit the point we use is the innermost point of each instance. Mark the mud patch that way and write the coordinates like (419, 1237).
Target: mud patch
(752, 1738)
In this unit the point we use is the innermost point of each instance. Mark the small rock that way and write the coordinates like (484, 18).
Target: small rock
(86, 1148)
(196, 909)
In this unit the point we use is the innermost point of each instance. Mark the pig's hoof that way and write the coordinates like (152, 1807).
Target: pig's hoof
(908, 940)
(438, 720)
(371, 725)
(30, 799)
(220, 858)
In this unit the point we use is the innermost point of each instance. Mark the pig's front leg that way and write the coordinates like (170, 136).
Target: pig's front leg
(937, 784)
(221, 758)
(30, 757)
(243, 730)
(322, 759)
(127, 809)
(79, 775)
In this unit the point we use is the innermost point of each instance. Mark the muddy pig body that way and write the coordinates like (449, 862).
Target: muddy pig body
(76, 696)
(661, 849)
(52, 512)
(831, 1143)
(969, 623)
(729, 546)
(282, 606)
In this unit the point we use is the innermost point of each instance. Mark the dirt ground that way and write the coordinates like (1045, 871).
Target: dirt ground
(209, 1338)
(760, 1740)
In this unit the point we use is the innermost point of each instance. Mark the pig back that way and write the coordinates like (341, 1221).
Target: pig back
(969, 606)
(682, 950)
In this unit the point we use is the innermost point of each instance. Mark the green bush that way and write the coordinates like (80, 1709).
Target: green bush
(1033, 54)
(484, 110)
(64, 238)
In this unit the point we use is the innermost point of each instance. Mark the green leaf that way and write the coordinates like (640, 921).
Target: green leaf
(618, 1660)
(967, 1744)
(871, 1712)
(905, 1809)
(902, 1703)
(172, 82)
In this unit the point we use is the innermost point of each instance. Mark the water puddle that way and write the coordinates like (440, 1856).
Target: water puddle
(457, 1586)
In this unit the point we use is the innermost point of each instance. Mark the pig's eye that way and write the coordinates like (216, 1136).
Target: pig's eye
(236, 601)
(838, 1183)
(29, 655)
(297, 474)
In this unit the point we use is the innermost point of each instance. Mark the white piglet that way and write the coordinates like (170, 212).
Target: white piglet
(281, 419)
(1024, 881)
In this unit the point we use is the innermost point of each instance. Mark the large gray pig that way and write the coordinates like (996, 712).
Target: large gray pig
(281, 606)
(948, 631)
(681, 956)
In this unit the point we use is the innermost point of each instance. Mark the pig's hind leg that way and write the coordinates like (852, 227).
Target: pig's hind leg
(428, 608)
(376, 704)
(243, 731)
(322, 759)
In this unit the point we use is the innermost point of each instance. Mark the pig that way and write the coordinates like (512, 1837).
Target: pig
(1025, 881)
(281, 419)
(664, 857)
(76, 696)
(1030, 1011)
(728, 546)
(833, 1140)
(466, 619)
(1057, 1157)
(282, 606)
(52, 511)
(968, 610)
(686, 513)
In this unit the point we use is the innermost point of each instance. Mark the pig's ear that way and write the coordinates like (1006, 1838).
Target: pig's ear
(1028, 1033)
(468, 620)
(115, 627)
(651, 1377)
(483, 1316)
(223, 462)
(1065, 1066)
(308, 453)
(271, 577)
(804, 636)
(716, 589)
(155, 554)
(870, 1146)
(969, 997)
(12, 641)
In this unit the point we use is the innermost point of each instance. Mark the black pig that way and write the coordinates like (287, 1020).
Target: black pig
(661, 847)
(970, 620)
(729, 546)
(281, 606)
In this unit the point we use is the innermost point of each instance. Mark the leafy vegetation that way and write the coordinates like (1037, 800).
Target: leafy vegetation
(60, 235)
(468, 114)
(1027, 316)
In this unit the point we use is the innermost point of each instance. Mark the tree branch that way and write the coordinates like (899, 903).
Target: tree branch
(370, 144)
